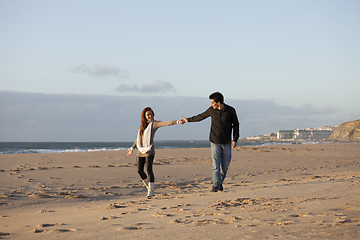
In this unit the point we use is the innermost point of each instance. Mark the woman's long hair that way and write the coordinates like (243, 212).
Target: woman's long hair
(144, 122)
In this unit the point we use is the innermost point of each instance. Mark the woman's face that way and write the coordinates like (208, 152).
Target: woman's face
(149, 116)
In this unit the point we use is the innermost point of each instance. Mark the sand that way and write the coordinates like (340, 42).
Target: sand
(294, 191)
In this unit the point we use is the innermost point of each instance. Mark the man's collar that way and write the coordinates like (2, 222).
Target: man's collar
(223, 108)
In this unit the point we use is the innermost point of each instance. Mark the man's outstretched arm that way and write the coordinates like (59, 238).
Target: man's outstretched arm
(196, 118)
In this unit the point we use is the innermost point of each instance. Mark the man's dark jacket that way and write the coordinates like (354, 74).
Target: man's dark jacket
(222, 123)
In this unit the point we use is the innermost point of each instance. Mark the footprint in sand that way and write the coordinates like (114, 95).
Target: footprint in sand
(36, 230)
(115, 206)
(62, 230)
(299, 215)
(47, 225)
(131, 228)
(163, 215)
(345, 220)
(42, 227)
(108, 218)
(127, 165)
(138, 226)
(75, 196)
(3, 234)
(46, 211)
(125, 204)
(202, 222)
(283, 223)
(39, 195)
(65, 230)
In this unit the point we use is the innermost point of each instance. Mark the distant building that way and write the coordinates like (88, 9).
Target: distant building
(285, 134)
(320, 134)
(302, 134)
(297, 134)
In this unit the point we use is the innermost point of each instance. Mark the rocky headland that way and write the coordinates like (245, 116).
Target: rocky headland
(348, 131)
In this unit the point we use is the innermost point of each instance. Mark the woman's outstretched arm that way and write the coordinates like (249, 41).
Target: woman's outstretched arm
(158, 124)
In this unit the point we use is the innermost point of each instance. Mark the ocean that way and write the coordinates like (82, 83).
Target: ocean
(54, 147)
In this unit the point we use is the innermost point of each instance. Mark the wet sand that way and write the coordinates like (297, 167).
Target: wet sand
(294, 191)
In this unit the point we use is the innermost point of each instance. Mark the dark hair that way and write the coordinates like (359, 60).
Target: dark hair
(144, 122)
(218, 97)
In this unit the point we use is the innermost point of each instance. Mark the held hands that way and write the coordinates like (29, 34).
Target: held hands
(182, 121)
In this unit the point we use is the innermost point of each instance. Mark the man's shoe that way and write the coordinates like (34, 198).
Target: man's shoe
(214, 189)
(221, 188)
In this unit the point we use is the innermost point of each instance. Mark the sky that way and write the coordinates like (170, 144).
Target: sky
(303, 56)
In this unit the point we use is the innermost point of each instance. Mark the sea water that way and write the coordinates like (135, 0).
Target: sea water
(53, 147)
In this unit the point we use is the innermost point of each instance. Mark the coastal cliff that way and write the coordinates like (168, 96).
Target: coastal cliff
(348, 131)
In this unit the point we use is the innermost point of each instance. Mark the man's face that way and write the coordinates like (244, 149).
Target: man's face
(215, 105)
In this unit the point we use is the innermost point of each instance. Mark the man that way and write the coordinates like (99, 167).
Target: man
(223, 121)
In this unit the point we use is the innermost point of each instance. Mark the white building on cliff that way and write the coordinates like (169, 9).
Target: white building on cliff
(304, 134)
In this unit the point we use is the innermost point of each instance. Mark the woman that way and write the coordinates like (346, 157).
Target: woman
(145, 144)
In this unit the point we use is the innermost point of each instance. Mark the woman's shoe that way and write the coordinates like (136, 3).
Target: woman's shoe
(151, 189)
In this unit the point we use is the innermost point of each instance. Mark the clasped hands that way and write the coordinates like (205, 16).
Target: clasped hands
(182, 121)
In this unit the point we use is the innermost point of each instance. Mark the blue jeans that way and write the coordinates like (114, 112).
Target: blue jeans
(221, 158)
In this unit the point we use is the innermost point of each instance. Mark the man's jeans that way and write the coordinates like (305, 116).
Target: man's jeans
(221, 157)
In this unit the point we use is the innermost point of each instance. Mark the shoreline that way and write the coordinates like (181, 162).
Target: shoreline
(304, 191)
(74, 147)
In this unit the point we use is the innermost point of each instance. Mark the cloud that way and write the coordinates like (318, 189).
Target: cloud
(155, 87)
(101, 71)
(128, 88)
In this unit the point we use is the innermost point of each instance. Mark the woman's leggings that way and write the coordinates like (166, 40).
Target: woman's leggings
(149, 167)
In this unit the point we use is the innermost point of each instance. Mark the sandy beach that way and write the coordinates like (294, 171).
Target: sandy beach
(297, 191)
